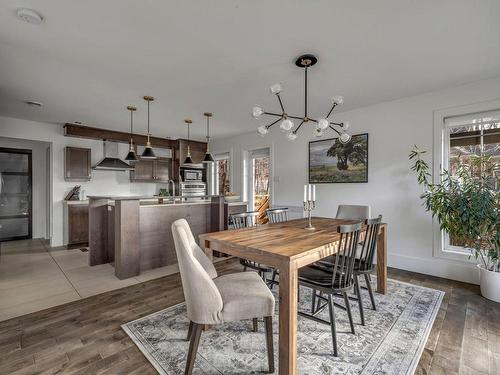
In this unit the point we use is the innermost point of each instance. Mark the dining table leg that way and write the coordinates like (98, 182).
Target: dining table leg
(288, 291)
(382, 261)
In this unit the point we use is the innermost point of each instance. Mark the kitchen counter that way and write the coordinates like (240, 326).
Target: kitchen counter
(133, 232)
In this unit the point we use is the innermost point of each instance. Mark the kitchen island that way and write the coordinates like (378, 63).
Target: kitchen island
(133, 232)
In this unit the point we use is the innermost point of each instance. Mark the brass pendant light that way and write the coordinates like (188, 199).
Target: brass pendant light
(131, 156)
(208, 156)
(148, 150)
(188, 159)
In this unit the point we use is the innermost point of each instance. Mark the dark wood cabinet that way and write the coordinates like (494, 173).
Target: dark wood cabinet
(157, 170)
(78, 224)
(77, 164)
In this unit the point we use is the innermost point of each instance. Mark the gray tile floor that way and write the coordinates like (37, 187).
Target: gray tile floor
(34, 277)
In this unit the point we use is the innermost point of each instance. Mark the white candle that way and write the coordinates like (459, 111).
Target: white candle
(314, 193)
(305, 193)
(309, 193)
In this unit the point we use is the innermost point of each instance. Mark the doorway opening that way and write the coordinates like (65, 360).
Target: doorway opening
(259, 182)
(16, 195)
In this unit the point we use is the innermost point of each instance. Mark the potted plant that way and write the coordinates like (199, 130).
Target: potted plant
(466, 205)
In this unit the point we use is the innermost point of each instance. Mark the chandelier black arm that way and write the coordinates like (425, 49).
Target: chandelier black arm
(335, 130)
(271, 124)
(331, 110)
(341, 124)
(273, 114)
(298, 127)
(296, 117)
(281, 103)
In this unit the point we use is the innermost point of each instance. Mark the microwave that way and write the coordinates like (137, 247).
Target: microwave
(191, 175)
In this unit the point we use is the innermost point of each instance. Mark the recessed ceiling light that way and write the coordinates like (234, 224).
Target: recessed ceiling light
(29, 15)
(32, 103)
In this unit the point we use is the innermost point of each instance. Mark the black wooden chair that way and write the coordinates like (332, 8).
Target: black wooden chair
(337, 279)
(277, 215)
(363, 265)
(248, 220)
(274, 216)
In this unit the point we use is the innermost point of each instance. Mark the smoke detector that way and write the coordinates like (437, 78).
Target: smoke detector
(32, 103)
(29, 16)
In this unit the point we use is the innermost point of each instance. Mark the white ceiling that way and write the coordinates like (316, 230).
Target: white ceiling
(89, 59)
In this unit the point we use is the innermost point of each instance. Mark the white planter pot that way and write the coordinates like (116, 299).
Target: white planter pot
(490, 284)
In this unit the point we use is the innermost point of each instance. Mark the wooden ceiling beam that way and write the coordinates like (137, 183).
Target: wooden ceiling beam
(82, 131)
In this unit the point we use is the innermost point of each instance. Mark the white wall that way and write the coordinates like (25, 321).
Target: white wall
(39, 181)
(393, 127)
(102, 182)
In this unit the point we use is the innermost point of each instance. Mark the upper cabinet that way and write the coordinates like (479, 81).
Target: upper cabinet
(77, 164)
(147, 170)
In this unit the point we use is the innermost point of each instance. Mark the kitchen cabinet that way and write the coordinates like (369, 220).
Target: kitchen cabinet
(77, 164)
(198, 150)
(157, 170)
(78, 224)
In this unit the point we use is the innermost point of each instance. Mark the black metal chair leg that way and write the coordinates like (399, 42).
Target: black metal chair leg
(332, 325)
(268, 321)
(255, 324)
(348, 307)
(190, 330)
(360, 301)
(370, 291)
(193, 348)
(273, 279)
(313, 304)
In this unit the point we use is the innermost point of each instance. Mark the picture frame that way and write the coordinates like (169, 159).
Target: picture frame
(332, 162)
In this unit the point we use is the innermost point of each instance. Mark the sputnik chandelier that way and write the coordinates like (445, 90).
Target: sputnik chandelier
(287, 125)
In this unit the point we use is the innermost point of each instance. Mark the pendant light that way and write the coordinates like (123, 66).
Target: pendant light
(208, 156)
(148, 150)
(188, 159)
(131, 156)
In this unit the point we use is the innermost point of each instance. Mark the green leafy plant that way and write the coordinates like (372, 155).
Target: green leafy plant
(465, 204)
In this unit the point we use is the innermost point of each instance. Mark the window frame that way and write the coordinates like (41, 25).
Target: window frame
(441, 247)
(223, 156)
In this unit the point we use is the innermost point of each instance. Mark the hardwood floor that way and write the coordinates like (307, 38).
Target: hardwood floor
(84, 337)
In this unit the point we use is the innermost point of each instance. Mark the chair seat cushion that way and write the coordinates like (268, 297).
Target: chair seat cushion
(319, 276)
(244, 296)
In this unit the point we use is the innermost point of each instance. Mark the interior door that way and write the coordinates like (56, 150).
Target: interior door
(15, 194)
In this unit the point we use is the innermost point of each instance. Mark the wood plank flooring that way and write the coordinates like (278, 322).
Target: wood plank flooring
(84, 337)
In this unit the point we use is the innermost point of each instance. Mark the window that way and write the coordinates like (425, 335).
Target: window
(259, 178)
(467, 139)
(223, 173)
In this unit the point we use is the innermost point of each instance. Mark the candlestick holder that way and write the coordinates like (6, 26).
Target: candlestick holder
(309, 206)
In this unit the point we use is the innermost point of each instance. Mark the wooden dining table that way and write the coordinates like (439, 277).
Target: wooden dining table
(288, 246)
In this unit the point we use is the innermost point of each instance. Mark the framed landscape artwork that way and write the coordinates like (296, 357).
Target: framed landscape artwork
(333, 162)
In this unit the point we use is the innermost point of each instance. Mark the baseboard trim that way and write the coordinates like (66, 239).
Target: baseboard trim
(448, 269)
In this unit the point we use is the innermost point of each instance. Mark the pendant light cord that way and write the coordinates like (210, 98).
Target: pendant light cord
(148, 120)
(131, 127)
(208, 131)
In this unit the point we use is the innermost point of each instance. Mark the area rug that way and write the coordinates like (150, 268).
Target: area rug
(391, 342)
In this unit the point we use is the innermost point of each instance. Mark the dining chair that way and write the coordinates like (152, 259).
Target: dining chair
(336, 280)
(277, 215)
(220, 299)
(345, 212)
(248, 220)
(274, 216)
(353, 212)
(363, 265)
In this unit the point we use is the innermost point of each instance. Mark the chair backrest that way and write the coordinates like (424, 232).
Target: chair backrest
(245, 219)
(353, 212)
(343, 265)
(369, 244)
(277, 215)
(203, 300)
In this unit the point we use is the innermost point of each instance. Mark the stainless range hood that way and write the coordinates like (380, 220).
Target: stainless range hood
(111, 161)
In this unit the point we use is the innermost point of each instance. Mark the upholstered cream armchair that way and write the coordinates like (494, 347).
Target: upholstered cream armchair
(212, 299)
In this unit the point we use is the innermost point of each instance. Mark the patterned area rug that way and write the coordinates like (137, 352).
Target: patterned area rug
(391, 342)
